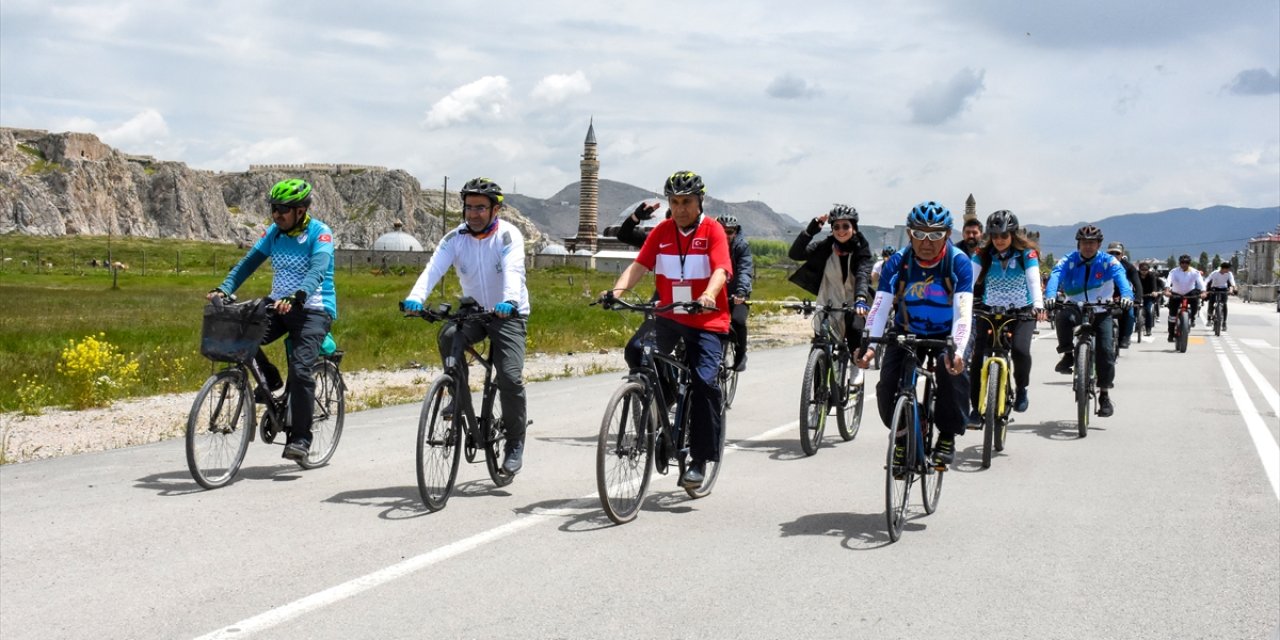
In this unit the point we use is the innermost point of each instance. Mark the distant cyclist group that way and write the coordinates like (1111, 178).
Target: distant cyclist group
(957, 303)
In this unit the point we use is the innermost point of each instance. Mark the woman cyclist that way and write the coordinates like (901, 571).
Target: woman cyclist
(1006, 273)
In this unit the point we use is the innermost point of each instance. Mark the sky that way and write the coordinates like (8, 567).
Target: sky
(1061, 112)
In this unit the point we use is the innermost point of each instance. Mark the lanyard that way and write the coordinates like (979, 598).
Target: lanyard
(683, 251)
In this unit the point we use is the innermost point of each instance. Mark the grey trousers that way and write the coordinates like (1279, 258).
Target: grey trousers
(507, 345)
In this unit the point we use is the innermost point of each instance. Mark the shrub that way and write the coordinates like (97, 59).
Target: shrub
(32, 395)
(96, 370)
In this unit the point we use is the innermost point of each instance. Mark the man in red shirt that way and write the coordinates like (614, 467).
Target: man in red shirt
(689, 256)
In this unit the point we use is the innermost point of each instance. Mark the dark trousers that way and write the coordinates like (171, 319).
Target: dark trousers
(738, 322)
(1127, 320)
(1222, 307)
(702, 354)
(951, 404)
(1149, 308)
(634, 350)
(507, 344)
(306, 329)
(1104, 360)
(1175, 304)
(1023, 331)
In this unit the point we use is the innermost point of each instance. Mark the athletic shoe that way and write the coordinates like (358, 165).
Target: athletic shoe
(1020, 401)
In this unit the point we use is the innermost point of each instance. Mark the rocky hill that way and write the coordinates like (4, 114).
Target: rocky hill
(57, 184)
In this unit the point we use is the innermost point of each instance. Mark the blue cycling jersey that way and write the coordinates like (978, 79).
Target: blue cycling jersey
(302, 262)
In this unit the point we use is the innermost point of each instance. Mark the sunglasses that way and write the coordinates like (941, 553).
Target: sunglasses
(283, 208)
(921, 234)
(842, 226)
(1001, 236)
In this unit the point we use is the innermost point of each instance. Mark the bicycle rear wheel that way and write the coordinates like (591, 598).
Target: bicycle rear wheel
(1083, 385)
(815, 399)
(1217, 321)
(991, 411)
(439, 443)
(930, 476)
(1184, 329)
(897, 478)
(849, 416)
(328, 415)
(729, 377)
(712, 470)
(495, 440)
(623, 452)
(219, 428)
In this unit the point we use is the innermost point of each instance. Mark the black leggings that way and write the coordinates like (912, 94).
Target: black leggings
(1021, 354)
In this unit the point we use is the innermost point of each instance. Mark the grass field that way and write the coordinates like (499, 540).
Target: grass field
(154, 312)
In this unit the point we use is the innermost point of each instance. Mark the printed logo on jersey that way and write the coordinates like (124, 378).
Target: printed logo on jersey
(700, 243)
(926, 289)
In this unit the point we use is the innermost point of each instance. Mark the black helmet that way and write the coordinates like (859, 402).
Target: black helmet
(1002, 221)
(1089, 232)
(1184, 258)
(482, 187)
(684, 183)
(729, 220)
(843, 212)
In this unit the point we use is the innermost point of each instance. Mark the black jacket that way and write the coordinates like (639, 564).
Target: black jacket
(815, 253)
(1135, 278)
(743, 270)
(632, 233)
(1147, 284)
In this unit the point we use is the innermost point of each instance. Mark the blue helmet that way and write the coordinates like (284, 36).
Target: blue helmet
(887, 251)
(929, 214)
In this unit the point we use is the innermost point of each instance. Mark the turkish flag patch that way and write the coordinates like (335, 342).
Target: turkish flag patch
(324, 237)
(1032, 254)
(700, 243)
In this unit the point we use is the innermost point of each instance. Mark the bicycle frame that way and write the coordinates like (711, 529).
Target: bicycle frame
(999, 321)
(457, 367)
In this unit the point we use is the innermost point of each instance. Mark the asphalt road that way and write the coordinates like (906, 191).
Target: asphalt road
(1163, 523)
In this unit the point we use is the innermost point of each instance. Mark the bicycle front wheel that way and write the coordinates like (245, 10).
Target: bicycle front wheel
(712, 470)
(495, 440)
(439, 444)
(991, 412)
(897, 477)
(1083, 385)
(1217, 321)
(328, 415)
(930, 475)
(219, 428)
(623, 452)
(1184, 329)
(815, 399)
(729, 382)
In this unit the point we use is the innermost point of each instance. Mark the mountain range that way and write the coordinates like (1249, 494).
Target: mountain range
(71, 183)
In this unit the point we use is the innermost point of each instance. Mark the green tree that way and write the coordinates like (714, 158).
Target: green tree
(1203, 263)
(1046, 264)
(1217, 260)
(1171, 262)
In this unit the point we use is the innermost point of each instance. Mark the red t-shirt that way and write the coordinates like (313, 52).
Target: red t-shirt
(677, 259)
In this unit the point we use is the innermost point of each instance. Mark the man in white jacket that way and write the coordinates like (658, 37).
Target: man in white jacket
(488, 254)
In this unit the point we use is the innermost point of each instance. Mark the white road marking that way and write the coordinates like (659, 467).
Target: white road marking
(1262, 440)
(1256, 343)
(1268, 392)
(266, 620)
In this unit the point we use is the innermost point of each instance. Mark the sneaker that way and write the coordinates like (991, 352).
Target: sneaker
(694, 475)
(1124, 344)
(741, 364)
(944, 450)
(857, 377)
(296, 450)
(446, 413)
(1020, 401)
(1064, 365)
(261, 395)
(1105, 408)
(513, 460)
(1146, 332)
(975, 419)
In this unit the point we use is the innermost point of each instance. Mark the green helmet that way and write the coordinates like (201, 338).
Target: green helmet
(292, 192)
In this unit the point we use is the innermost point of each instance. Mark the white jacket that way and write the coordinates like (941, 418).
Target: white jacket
(1184, 282)
(491, 269)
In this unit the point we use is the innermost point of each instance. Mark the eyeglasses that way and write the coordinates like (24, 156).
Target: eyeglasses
(476, 208)
(921, 234)
(283, 208)
(1001, 236)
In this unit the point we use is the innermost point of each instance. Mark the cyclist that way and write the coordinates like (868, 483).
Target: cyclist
(1006, 273)
(971, 235)
(1127, 320)
(487, 253)
(1221, 280)
(1086, 276)
(836, 269)
(931, 283)
(689, 255)
(1183, 281)
(301, 252)
(887, 251)
(739, 288)
(1150, 295)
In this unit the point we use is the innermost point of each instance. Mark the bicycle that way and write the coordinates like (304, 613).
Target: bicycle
(1182, 327)
(447, 424)
(913, 422)
(728, 375)
(637, 434)
(1084, 378)
(222, 420)
(996, 398)
(1217, 301)
(826, 386)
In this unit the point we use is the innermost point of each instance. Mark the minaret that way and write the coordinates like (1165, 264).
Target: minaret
(970, 209)
(589, 191)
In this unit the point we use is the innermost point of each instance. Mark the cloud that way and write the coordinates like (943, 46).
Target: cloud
(789, 86)
(942, 101)
(269, 151)
(147, 129)
(1255, 82)
(557, 88)
(486, 98)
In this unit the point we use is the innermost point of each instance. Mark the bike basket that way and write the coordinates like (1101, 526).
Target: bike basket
(232, 332)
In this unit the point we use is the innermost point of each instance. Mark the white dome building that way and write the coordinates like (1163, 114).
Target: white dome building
(397, 240)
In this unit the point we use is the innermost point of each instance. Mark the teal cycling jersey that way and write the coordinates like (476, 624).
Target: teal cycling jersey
(302, 262)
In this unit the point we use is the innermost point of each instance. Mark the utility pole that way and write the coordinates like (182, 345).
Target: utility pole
(444, 226)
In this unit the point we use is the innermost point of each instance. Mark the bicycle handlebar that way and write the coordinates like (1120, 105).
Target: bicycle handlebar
(912, 341)
(615, 304)
(808, 307)
(444, 312)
